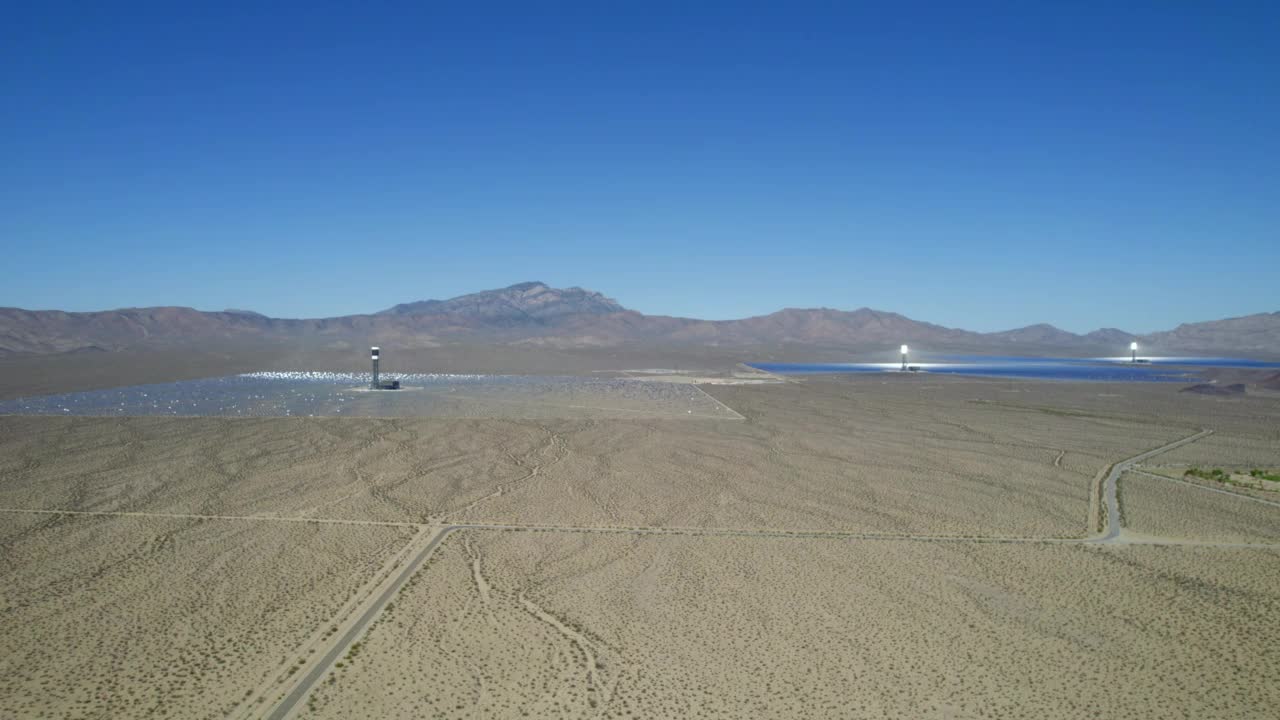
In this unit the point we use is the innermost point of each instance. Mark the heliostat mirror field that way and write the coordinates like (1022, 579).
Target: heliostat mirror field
(329, 394)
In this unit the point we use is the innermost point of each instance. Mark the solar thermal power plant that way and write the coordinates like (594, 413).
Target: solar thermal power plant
(530, 361)
(376, 383)
(587, 543)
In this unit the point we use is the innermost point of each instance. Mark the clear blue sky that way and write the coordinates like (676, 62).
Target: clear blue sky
(977, 165)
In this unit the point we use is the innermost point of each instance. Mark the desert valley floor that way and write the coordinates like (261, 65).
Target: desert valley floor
(876, 546)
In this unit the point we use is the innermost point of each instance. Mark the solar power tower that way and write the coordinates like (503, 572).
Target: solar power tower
(374, 385)
(904, 357)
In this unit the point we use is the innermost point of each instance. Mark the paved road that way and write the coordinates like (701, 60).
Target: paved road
(318, 670)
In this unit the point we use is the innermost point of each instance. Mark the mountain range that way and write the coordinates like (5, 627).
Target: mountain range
(533, 313)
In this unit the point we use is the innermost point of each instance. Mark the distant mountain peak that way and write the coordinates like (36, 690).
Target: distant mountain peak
(533, 300)
(534, 313)
(1040, 333)
(1111, 336)
(524, 286)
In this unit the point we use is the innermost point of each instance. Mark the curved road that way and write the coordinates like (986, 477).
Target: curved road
(1110, 492)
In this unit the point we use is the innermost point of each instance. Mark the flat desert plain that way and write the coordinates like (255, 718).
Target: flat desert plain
(875, 546)
(555, 625)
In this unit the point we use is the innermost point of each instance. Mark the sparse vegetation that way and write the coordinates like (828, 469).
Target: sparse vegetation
(1215, 474)
(676, 648)
(112, 647)
(643, 625)
(1255, 479)
(1159, 508)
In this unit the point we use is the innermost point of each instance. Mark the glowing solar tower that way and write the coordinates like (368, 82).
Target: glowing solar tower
(1133, 348)
(904, 357)
(374, 385)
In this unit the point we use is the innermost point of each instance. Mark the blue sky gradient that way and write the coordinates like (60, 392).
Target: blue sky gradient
(981, 165)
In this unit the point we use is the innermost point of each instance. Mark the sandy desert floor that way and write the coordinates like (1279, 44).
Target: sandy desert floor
(558, 625)
(160, 617)
(873, 546)
(1157, 507)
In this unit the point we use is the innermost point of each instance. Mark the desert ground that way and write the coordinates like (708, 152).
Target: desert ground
(544, 625)
(127, 616)
(875, 546)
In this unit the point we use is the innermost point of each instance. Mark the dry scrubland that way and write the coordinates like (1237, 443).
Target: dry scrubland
(1256, 449)
(1165, 509)
(146, 616)
(355, 469)
(552, 625)
(824, 455)
(106, 617)
(1243, 487)
(834, 456)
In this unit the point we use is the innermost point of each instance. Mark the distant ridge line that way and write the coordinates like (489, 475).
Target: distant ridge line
(534, 314)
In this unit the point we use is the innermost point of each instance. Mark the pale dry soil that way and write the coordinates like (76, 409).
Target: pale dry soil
(556, 625)
(1242, 484)
(830, 458)
(355, 469)
(108, 617)
(144, 613)
(1158, 507)
(913, 455)
(1246, 451)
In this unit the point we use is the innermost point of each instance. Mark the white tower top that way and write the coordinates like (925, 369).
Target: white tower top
(904, 349)
(1133, 345)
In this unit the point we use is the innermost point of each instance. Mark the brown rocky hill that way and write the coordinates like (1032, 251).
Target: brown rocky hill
(1252, 333)
(1040, 334)
(529, 300)
(534, 313)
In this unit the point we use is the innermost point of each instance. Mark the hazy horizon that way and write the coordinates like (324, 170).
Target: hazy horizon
(629, 307)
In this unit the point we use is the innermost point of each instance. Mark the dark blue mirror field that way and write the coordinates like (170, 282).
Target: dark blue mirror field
(1117, 369)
